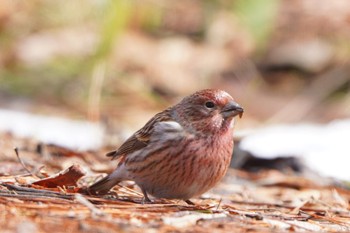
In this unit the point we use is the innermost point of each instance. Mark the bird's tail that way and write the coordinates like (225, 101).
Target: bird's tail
(103, 186)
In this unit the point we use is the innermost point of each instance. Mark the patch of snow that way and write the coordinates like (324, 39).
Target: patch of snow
(323, 148)
(73, 134)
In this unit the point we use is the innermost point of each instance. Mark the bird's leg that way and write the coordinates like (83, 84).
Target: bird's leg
(145, 197)
(189, 202)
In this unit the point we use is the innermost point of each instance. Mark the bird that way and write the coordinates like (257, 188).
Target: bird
(181, 152)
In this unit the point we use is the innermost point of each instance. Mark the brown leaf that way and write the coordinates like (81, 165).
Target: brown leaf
(68, 177)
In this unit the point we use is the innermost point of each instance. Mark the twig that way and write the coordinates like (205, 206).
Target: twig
(219, 204)
(22, 163)
(282, 206)
(33, 196)
(36, 192)
(82, 200)
(130, 191)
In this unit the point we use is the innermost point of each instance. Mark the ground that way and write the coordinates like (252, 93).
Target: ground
(31, 201)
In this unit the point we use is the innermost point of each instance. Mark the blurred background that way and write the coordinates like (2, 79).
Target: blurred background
(120, 62)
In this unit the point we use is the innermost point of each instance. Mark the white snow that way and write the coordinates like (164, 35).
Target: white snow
(323, 148)
(78, 135)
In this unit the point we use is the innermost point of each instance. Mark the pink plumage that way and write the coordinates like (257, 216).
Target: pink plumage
(182, 151)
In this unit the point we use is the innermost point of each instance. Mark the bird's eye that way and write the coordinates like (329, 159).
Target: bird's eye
(209, 104)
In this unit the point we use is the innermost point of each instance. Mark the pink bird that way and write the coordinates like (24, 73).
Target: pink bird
(181, 152)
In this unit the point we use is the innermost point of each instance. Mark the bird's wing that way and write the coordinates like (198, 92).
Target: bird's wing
(141, 138)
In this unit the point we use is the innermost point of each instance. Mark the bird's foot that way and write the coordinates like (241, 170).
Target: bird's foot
(146, 200)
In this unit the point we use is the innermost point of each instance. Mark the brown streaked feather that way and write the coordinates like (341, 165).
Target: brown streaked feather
(141, 138)
(103, 186)
(130, 145)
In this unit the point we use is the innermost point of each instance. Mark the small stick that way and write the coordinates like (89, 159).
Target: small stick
(219, 204)
(34, 192)
(130, 190)
(21, 161)
(82, 200)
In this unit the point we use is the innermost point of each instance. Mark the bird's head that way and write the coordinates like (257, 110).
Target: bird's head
(208, 111)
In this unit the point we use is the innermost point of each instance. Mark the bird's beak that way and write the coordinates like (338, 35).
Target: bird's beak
(232, 109)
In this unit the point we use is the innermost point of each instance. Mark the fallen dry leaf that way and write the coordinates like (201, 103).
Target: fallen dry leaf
(68, 177)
